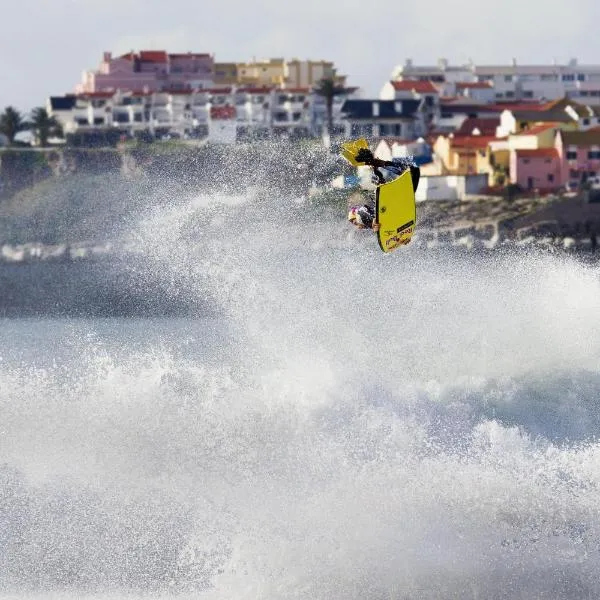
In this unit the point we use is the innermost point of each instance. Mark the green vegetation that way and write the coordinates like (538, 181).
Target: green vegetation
(44, 126)
(328, 89)
(11, 123)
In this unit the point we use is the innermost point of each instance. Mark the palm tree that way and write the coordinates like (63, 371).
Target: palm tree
(11, 123)
(44, 126)
(328, 89)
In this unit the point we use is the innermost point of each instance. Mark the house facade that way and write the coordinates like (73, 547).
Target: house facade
(148, 71)
(581, 155)
(465, 154)
(382, 118)
(255, 111)
(537, 169)
(426, 92)
(158, 70)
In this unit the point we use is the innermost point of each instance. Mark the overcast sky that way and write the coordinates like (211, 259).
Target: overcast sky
(46, 44)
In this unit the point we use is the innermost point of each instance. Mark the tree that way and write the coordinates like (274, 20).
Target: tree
(328, 89)
(11, 123)
(44, 126)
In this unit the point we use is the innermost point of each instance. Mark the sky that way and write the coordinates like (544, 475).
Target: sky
(49, 43)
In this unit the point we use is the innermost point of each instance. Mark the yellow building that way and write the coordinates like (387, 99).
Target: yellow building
(564, 112)
(226, 73)
(261, 73)
(464, 155)
(306, 73)
(277, 72)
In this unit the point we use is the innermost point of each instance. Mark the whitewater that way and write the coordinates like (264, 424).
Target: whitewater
(334, 423)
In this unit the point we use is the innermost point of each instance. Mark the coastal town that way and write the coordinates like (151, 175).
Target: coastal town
(477, 131)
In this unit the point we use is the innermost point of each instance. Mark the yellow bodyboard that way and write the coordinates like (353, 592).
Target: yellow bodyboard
(396, 212)
(350, 150)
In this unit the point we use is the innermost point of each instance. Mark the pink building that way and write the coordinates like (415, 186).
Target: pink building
(581, 152)
(540, 168)
(149, 71)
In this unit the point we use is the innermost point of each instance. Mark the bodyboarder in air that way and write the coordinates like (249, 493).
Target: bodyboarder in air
(384, 171)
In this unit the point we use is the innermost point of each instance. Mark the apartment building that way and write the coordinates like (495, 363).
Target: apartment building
(149, 71)
(513, 81)
(249, 111)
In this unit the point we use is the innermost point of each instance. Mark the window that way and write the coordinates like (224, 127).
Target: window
(528, 94)
(508, 78)
(594, 155)
(586, 122)
(297, 116)
(568, 77)
(510, 94)
(281, 99)
(384, 130)
(572, 155)
(525, 161)
(398, 130)
(281, 116)
(580, 76)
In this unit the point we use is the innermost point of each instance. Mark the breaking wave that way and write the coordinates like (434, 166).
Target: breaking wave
(351, 425)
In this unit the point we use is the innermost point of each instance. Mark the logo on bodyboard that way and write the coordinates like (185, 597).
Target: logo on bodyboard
(402, 228)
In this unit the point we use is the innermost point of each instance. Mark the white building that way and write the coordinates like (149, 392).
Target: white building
(514, 81)
(252, 112)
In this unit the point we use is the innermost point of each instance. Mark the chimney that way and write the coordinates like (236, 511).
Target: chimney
(107, 57)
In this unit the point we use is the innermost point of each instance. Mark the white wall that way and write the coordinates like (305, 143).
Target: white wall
(449, 187)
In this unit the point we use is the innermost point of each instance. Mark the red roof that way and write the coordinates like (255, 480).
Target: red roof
(458, 105)
(222, 112)
(151, 56)
(410, 85)
(96, 95)
(538, 153)
(215, 91)
(502, 106)
(485, 126)
(538, 128)
(190, 55)
(255, 90)
(473, 84)
(154, 56)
